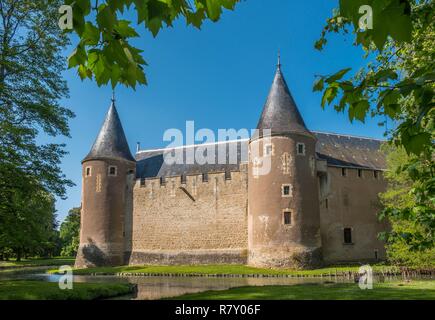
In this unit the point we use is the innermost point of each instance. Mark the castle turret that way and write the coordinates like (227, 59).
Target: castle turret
(283, 218)
(107, 174)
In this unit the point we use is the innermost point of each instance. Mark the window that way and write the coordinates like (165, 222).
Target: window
(287, 217)
(268, 149)
(347, 232)
(183, 179)
(113, 171)
(300, 149)
(326, 203)
(286, 190)
(162, 181)
(375, 174)
(227, 175)
(343, 172)
(204, 177)
(360, 173)
(142, 182)
(88, 171)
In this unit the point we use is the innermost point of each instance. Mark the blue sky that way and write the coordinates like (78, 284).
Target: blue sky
(219, 77)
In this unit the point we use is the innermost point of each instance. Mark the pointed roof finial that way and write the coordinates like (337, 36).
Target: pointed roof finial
(280, 113)
(111, 142)
(279, 59)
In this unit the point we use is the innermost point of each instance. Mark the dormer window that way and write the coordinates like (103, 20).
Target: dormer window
(113, 171)
(300, 149)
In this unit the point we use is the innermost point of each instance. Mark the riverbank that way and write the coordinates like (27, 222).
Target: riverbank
(230, 270)
(40, 290)
(57, 261)
(413, 290)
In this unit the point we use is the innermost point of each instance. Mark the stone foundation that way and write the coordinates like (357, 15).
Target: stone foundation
(289, 258)
(193, 257)
(98, 255)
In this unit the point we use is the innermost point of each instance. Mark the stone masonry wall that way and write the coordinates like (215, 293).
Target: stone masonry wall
(191, 222)
(352, 202)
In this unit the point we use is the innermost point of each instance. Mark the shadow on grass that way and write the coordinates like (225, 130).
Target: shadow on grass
(418, 290)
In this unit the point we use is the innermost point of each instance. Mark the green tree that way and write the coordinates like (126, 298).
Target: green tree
(398, 196)
(29, 227)
(31, 87)
(104, 51)
(397, 83)
(70, 233)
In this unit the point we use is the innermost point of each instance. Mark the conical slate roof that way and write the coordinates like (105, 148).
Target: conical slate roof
(111, 142)
(280, 113)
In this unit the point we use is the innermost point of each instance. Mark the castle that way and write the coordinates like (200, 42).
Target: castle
(317, 204)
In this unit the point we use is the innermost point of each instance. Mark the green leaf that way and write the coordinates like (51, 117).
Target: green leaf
(142, 11)
(318, 84)
(386, 74)
(360, 109)
(213, 9)
(123, 29)
(416, 143)
(91, 34)
(196, 18)
(113, 58)
(392, 110)
(84, 72)
(398, 23)
(154, 25)
(105, 18)
(329, 95)
(338, 75)
(85, 6)
(77, 57)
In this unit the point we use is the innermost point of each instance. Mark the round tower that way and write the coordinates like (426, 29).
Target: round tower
(106, 174)
(283, 200)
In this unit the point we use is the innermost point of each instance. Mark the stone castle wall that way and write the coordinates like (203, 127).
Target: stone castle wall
(200, 222)
(191, 221)
(352, 202)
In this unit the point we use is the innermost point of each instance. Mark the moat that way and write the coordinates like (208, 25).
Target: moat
(159, 287)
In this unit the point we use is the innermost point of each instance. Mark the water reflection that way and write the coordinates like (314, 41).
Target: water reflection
(150, 288)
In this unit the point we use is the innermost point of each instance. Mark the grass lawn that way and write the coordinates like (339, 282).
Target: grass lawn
(419, 290)
(223, 270)
(40, 290)
(58, 261)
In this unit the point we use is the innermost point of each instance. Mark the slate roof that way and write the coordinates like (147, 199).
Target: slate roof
(349, 151)
(152, 163)
(280, 113)
(337, 150)
(111, 142)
